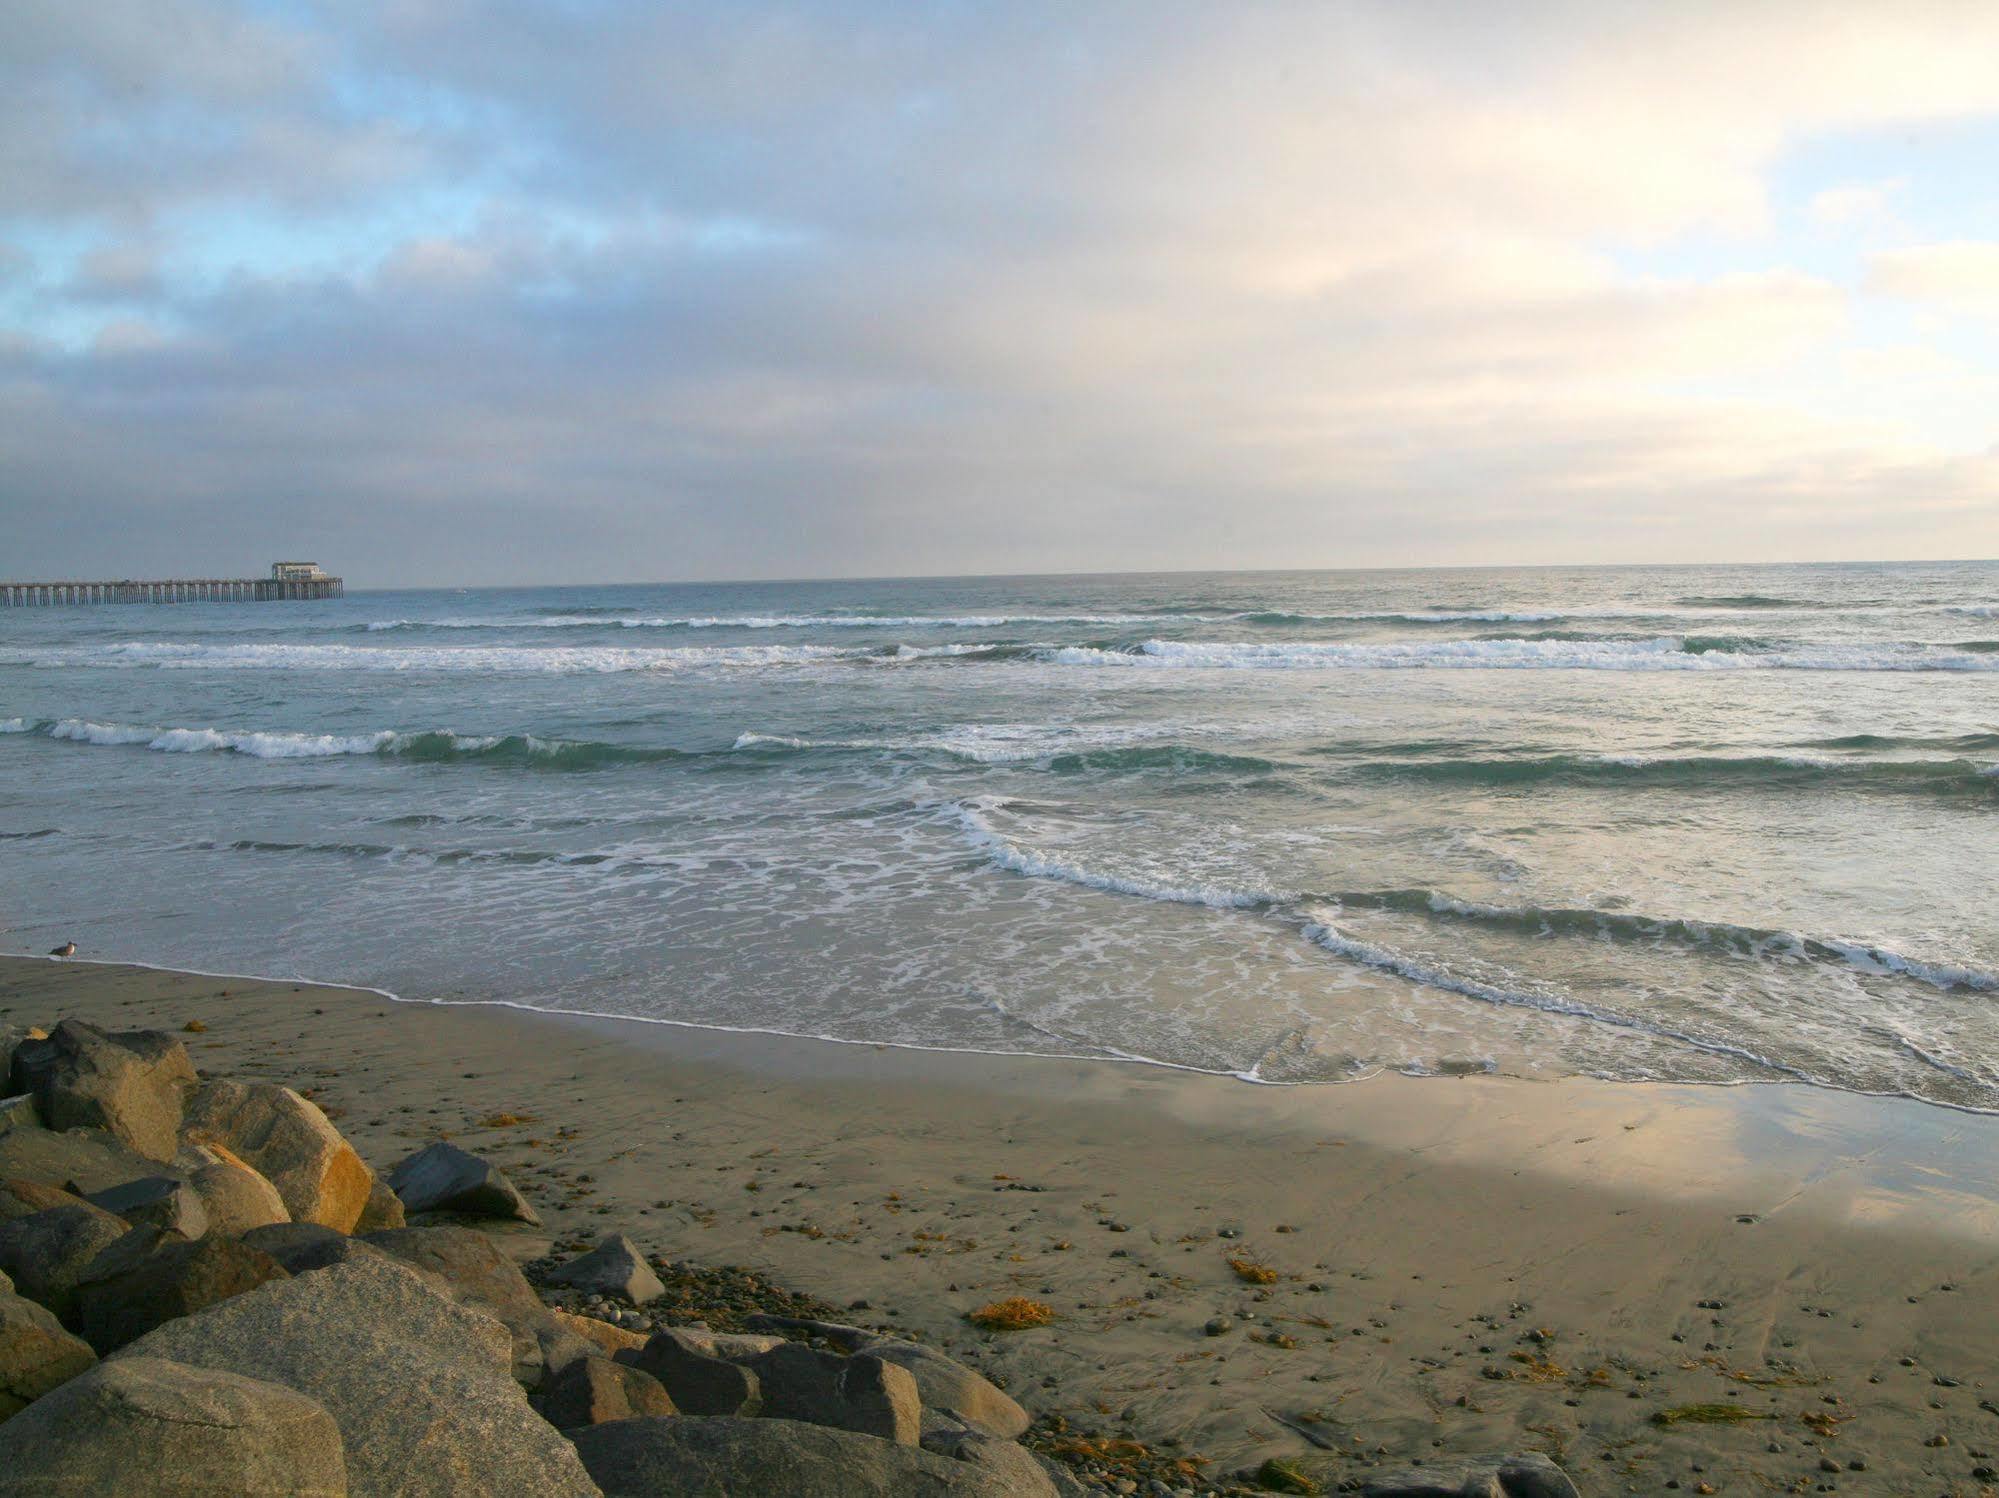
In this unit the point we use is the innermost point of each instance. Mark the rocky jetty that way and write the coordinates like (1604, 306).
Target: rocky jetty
(205, 1288)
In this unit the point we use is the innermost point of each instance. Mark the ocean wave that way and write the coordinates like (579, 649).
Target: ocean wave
(600, 860)
(1428, 975)
(1975, 610)
(618, 620)
(1664, 653)
(1745, 601)
(490, 659)
(1697, 771)
(973, 817)
(1060, 750)
(1002, 853)
(432, 746)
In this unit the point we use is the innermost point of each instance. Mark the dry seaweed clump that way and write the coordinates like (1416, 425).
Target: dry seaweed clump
(1015, 1313)
(1707, 1414)
(1252, 1273)
(1276, 1476)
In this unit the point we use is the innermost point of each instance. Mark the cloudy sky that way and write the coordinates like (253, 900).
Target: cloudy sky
(435, 290)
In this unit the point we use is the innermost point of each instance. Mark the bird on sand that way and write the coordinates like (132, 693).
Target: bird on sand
(67, 949)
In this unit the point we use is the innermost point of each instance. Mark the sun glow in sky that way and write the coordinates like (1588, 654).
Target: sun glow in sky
(585, 289)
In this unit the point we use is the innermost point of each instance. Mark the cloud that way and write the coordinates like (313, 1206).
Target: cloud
(1961, 276)
(640, 290)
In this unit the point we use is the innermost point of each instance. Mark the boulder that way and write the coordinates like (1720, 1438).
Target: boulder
(25, 1198)
(78, 1160)
(305, 1246)
(699, 1384)
(857, 1393)
(736, 1347)
(444, 1178)
(131, 1084)
(142, 1428)
(418, 1385)
(384, 1209)
(591, 1391)
(950, 1387)
(125, 1294)
(614, 1267)
(288, 1141)
(606, 1338)
(11, 1039)
(725, 1458)
(19, 1113)
(155, 1201)
(479, 1274)
(46, 1253)
(1019, 1469)
(36, 1353)
(1530, 1476)
(233, 1194)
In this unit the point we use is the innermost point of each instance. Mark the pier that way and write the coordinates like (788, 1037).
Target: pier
(288, 581)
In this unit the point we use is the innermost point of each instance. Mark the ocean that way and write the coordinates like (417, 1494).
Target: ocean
(1728, 824)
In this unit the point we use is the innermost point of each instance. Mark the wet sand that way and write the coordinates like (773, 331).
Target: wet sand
(1460, 1265)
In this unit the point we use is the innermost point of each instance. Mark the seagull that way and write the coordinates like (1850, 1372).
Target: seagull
(67, 949)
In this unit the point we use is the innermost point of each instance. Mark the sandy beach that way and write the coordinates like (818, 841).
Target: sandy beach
(1704, 1289)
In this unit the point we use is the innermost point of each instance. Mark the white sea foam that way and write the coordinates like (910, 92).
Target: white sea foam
(1004, 854)
(1665, 653)
(16, 725)
(204, 740)
(500, 659)
(799, 621)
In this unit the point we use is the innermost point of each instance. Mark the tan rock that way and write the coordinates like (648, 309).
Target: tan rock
(144, 1428)
(612, 1339)
(237, 1197)
(288, 1141)
(36, 1353)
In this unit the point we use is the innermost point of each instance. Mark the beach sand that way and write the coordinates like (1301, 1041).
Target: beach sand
(1461, 1264)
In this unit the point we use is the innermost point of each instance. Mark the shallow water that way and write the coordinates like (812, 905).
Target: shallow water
(1708, 824)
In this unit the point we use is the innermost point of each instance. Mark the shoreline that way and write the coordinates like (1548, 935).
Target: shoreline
(1424, 1232)
(1113, 1059)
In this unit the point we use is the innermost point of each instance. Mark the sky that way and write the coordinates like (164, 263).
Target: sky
(436, 291)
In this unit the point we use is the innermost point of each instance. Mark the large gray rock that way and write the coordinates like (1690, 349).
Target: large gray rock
(11, 1039)
(156, 1201)
(444, 1178)
(19, 1113)
(700, 1384)
(591, 1391)
(614, 1267)
(125, 1294)
(288, 1141)
(36, 1353)
(75, 1159)
(480, 1274)
(949, 1387)
(725, 1458)
(131, 1084)
(1018, 1468)
(304, 1246)
(420, 1386)
(1530, 1476)
(45, 1254)
(142, 1428)
(384, 1210)
(858, 1393)
(25, 1198)
(235, 1197)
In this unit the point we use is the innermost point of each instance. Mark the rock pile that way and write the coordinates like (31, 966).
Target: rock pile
(203, 1287)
